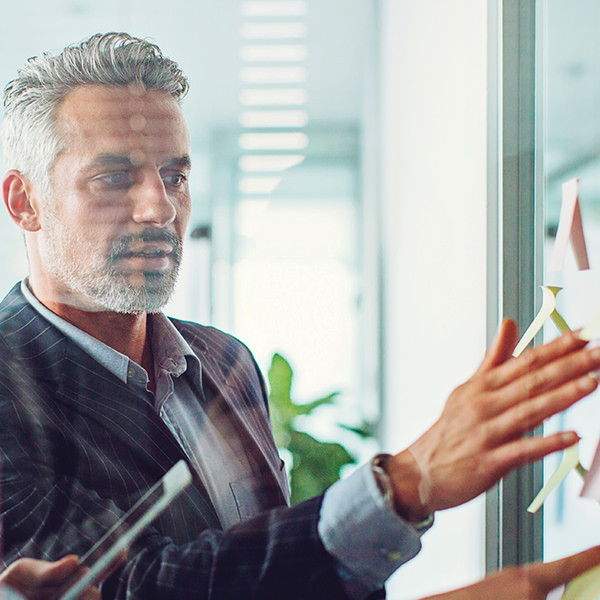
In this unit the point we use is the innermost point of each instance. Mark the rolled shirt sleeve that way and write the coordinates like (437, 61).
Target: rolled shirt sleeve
(364, 534)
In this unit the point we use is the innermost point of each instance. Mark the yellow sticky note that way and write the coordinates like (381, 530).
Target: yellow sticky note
(590, 331)
(584, 587)
(569, 461)
(548, 309)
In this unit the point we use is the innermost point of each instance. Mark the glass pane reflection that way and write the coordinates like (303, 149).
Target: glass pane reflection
(571, 131)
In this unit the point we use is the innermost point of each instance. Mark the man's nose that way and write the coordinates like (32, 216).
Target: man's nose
(151, 203)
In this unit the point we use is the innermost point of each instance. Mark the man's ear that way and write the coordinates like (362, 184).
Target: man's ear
(17, 192)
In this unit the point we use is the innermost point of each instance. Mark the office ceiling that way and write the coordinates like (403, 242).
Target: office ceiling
(204, 37)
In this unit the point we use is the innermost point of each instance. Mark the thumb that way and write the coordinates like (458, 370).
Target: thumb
(57, 572)
(502, 347)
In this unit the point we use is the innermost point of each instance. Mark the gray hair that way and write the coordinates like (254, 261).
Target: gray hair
(31, 140)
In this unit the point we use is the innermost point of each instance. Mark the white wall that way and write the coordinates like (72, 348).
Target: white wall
(434, 55)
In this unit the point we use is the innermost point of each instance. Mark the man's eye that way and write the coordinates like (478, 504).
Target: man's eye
(174, 179)
(116, 179)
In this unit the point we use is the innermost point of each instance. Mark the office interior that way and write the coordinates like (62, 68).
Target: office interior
(375, 184)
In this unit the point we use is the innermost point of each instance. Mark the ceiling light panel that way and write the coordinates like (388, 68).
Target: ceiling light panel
(273, 31)
(273, 97)
(269, 163)
(273, 141)
(258, 185)
(274, 75)
(279, 8)
(274, 53)
(273, 118)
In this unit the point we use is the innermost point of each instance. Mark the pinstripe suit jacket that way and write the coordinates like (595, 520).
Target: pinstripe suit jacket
(78, 448)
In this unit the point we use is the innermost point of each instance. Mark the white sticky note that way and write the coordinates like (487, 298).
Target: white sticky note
(548, 309)
(584, 587)
(569, 461)
(556, 594)
(570, 227)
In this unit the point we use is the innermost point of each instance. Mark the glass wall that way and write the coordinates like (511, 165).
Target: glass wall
(548, 132)
(570, 95)
(294, 226)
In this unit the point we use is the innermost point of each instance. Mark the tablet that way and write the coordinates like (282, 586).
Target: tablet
(120, 536)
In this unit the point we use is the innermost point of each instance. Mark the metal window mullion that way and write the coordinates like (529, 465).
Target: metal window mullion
(512, 535)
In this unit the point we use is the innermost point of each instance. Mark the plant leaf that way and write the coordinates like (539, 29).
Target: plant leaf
(316, 466)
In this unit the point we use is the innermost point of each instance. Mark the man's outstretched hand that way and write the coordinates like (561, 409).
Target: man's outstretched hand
(531, 582)
(480, 435)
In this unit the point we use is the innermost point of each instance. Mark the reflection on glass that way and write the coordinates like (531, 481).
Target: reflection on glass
(571, 76)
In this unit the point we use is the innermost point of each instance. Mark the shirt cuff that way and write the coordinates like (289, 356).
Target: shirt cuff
(363, 533)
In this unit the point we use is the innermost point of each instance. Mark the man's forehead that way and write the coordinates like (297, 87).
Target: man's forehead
(123, 115)
(116, 100)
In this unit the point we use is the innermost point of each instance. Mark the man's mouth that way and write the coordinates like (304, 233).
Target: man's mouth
(151, 250)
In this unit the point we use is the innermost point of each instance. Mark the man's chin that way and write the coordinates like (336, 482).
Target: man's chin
(143, 299)
(129, 300)
(129, 292)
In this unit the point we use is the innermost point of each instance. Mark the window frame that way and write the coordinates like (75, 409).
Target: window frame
(515, 224)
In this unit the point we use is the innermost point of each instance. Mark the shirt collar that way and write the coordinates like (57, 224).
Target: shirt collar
(171, 352)
(108, 357)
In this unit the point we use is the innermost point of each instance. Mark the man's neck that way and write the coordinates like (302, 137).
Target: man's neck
(126, 333)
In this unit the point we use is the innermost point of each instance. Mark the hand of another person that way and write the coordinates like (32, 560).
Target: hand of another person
(42, 580)
(480, 435)
(531, 582)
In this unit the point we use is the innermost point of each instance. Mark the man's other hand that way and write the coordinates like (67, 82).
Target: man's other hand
(41, 580)
(531, 582)
(481, 433)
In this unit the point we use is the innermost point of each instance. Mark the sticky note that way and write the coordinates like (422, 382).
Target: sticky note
(570, 460)
(570, 227)
(591, 483)
(548, 309)
(584, 587)
(590, 331)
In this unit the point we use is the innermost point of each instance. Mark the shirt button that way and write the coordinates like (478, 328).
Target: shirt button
(130, 371)
(392, 555)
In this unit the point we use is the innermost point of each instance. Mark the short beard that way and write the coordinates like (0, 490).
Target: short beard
(104, 287)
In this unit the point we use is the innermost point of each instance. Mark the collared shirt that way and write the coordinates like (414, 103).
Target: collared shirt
(368, 540)
(207, 440)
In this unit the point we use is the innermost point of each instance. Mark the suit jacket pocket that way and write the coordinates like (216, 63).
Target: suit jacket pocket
(250, 495)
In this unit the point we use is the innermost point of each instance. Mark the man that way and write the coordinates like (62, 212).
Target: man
(100, 393)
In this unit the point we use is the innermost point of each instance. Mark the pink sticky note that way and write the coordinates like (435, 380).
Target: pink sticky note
(570, 227)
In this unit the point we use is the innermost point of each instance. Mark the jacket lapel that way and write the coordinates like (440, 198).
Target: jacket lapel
(232, 393)
(92, 392)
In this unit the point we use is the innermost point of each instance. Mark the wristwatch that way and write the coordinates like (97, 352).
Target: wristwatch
(385, 487)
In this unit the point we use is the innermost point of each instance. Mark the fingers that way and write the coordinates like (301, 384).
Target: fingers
(27, 570)
(573, 368)
(502, 347)
(550, 575)
(527, 582)
(553, 377)
(521, 417)
(523, 451)
(91, 593)
(38, 579)
(533, 360)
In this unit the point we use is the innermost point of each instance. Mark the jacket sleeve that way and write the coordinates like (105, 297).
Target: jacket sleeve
(277, 554)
